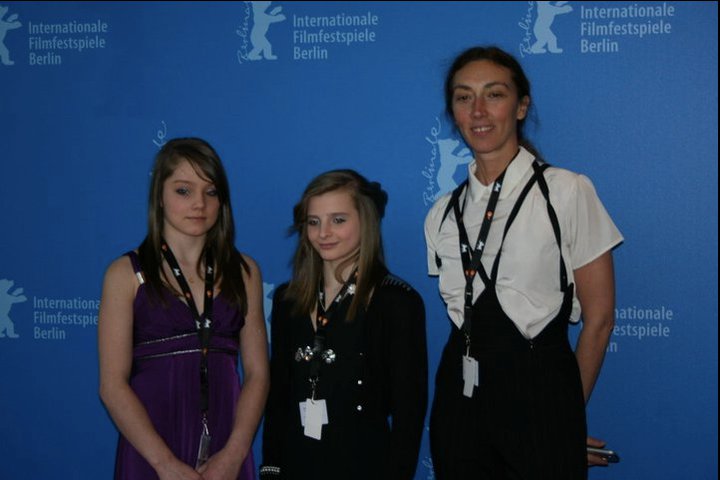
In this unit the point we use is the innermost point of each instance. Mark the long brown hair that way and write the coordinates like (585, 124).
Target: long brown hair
(220, 238)
(369, 200)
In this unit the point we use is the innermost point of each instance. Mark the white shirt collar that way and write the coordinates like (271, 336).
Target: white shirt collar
(515, 173)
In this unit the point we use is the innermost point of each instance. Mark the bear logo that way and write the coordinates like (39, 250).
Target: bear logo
(11, 23)
(7, 299)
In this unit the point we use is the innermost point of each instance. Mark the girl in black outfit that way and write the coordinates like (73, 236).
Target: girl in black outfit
(349, 359)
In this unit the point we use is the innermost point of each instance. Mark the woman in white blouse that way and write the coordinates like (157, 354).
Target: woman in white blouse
(520, 249)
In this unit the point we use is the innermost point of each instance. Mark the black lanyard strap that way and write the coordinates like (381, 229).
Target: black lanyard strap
(322, 320)
(203, 322)
(471, 258)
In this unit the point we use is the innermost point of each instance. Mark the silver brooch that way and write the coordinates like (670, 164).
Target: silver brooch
(304, 354)
(329, 356)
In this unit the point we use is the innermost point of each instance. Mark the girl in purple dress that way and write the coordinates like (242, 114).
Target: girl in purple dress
(174, 315)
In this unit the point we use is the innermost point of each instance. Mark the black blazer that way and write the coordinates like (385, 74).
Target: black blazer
(376, 391)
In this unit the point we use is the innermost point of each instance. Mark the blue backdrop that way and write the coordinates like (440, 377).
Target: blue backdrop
(625, 92)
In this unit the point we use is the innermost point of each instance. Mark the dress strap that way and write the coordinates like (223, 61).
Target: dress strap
(135, 260)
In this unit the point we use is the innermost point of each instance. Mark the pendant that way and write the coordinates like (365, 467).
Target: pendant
(204, 445)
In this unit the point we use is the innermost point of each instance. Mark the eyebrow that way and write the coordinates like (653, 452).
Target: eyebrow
(486, 86)
(193, 182)
(331, 214)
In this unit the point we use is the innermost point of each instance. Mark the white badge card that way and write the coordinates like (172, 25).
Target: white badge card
(471, 375)
(313, 415)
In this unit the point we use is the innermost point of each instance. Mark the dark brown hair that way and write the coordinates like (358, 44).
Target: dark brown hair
(499, 57)
(229, 264)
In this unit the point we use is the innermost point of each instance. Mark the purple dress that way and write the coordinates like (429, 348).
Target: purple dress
(166, 378)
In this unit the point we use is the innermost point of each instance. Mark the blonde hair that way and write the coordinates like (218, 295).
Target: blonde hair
(369, 199)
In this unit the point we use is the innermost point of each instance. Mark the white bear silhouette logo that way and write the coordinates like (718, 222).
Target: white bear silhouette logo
(545, 16)
(268, 290)
(261, 23)
(7, 299)
(450, 160)
(10, 23)
(257, 35)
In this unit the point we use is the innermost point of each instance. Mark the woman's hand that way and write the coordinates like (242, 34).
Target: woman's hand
(177, 470)
(221, 466)
(592, 459)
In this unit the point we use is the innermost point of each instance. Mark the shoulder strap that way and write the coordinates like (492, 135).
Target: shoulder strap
(135, 260)
(554, 220)
(454, 198)
(539, 168)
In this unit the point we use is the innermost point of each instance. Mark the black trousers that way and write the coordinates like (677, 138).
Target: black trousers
(526, 420)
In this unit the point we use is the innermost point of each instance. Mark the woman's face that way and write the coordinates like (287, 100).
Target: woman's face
(333, 226)
(190, 203)
(486, 109)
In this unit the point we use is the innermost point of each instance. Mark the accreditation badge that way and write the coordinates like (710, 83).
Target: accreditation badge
(313, 415)
(471, 375)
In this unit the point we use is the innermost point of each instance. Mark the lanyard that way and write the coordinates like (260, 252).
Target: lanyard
(471, 257)
(202, 323)
(322, 319)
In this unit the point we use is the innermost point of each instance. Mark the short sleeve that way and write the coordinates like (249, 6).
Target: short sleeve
(433, 222)
(591, 230)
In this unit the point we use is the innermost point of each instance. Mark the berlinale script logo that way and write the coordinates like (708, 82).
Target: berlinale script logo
(255, 44)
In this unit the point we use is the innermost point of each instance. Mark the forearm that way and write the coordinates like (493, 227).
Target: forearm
(590, 350)
(409, 405)
(277, 409)
(133, 422)
(248, 412)
(405, 441)
(253, 347)
(409, 386)
(596, 291)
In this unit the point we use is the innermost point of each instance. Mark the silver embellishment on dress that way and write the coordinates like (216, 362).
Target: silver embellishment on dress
(392, 280)
(329, 356)
(166, 339)
(306, 354)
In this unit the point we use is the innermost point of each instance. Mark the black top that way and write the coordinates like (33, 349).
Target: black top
(375, 390)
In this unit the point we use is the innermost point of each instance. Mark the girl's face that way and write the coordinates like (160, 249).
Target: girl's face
(190, 203)
(333, 226)
(486, 109)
